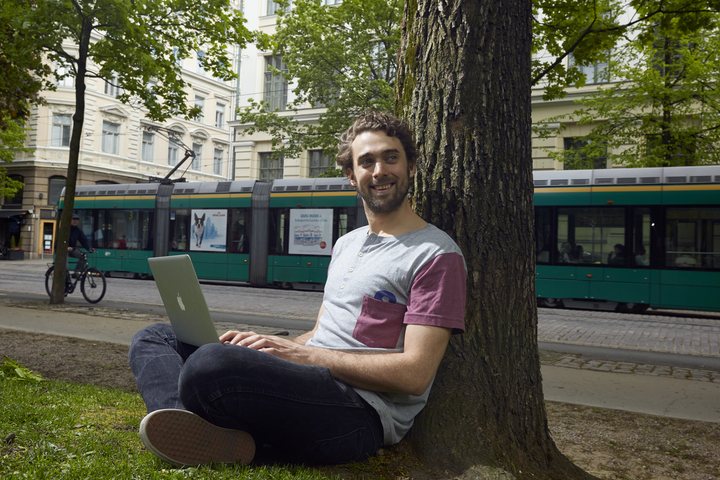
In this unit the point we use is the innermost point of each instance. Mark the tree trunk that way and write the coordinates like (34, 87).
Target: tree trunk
(464, 86)
(61, 251)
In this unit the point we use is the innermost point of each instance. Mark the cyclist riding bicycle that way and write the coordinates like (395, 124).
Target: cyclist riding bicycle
(77, 235)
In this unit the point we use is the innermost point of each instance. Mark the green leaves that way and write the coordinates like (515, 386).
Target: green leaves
(590, 30)
(663, 108)
(139, 42)
(11, 370)
(339, 57)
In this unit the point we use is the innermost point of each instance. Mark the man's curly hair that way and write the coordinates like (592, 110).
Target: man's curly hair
(376, 121)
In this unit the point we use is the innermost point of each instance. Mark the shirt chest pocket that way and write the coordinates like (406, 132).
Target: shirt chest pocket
(380, 323)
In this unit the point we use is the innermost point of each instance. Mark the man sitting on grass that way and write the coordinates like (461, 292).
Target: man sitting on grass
(395, 293)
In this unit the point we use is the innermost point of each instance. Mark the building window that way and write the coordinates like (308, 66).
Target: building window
(679, 152)
(197, 161)
(276, 87)
(274, 7)
(151, 88)
(148, 147)
(17, 198)
(270, 168)
(597, 73)
(176, 54)
(219, 115)
(69, 80)
(55, 187)
(112, 86)
(200, 58)
(200, 103)
(111, 138)
(319, 163)
(173, 152)
(217, 161)
(62, 125)
(596, 158)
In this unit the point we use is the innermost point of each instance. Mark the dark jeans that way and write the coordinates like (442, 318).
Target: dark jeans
(76, 253)
(301, 410)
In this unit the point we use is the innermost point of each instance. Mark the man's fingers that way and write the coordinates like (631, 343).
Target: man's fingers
(235, 337)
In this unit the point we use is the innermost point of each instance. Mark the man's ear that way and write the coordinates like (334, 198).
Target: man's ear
(351, 176)
(412, 169)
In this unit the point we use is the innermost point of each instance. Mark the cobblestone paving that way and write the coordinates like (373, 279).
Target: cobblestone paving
(696, 336)
(577, 361)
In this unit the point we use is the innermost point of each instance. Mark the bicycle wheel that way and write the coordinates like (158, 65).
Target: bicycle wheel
(49, 280)
(93, 285)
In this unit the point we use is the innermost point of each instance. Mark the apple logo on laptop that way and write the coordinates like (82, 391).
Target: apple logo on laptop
(182, 307)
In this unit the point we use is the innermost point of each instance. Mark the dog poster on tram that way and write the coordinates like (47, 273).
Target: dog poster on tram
(311, 231)
(208, 230)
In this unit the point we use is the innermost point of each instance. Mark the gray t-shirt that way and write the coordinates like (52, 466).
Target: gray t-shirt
(376, 286)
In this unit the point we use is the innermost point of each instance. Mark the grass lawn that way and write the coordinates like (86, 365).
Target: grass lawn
(57, 430)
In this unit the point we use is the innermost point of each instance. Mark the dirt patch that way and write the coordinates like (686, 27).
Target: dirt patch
(70, 359)
(607, 443)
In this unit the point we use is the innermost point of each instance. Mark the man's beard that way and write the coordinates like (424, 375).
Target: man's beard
(388, 204)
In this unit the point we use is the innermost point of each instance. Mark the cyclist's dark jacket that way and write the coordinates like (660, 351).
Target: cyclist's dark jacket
(77, 235)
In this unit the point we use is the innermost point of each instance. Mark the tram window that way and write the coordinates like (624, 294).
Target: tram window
(543, 234)
(129, 229)
(641, 237)
(99, 236)
(592, 236)
(86, 221)
(240, 230)
(279, 228)
(179, 229)
(692, 237)
(341, 221)
(87, 224)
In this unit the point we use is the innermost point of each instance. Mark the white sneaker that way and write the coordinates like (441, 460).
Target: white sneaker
(184, 439)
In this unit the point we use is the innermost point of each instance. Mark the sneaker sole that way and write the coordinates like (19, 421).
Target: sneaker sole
(184, 439)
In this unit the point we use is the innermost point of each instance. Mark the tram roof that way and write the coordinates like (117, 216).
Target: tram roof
(236, 186)
(628, 176)
(312, 184)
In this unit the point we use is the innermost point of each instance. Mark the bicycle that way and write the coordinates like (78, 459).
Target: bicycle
(92, 282)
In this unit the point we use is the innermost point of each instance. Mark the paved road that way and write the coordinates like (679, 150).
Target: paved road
(662, 365)
(558, 329)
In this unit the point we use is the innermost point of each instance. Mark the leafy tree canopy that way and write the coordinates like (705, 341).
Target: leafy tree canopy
(663, 107)
(22, 72)
(139, 43)
(342, 57)
(589, 30)
(12, 140)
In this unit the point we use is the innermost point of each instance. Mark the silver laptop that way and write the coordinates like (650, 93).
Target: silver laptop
(184, 301)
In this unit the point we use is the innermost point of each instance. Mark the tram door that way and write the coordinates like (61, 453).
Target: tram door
(47, 228)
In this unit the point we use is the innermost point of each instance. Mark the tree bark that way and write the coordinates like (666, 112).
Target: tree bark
(61, 253)
(464, 86)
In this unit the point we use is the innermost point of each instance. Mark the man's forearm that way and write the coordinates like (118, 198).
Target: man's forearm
(380, 372)
(410, 371)
(303, 339)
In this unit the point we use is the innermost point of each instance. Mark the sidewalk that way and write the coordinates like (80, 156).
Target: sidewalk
(692, 394)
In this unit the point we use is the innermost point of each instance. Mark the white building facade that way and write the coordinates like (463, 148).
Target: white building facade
(116, 147)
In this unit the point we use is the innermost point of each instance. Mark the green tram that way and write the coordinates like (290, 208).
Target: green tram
(622, 239)
(628, 239)
(245, 231)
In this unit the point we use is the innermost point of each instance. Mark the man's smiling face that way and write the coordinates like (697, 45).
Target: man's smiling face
(380, 172)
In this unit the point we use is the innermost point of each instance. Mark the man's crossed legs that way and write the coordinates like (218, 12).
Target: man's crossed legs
(301, 410)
